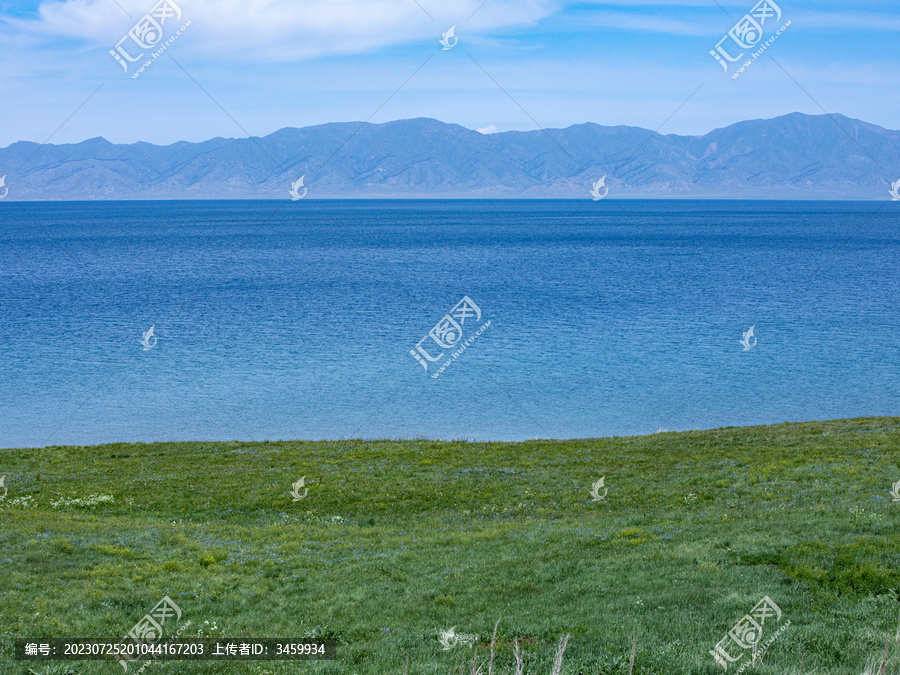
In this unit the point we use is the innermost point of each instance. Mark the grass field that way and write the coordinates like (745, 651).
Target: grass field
(398, 540)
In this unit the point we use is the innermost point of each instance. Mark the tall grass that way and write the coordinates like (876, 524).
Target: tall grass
(885, 664)
(519, 661)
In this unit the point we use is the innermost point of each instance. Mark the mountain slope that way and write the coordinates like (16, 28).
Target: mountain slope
(793, 156)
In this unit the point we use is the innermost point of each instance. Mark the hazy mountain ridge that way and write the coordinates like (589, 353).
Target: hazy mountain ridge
(793, 156)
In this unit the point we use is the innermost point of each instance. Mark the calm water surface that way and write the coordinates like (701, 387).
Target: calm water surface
(283, 320)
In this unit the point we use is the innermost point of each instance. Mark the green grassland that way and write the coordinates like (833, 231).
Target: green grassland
(397, 540)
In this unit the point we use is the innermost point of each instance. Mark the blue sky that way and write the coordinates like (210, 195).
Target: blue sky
(255, 66)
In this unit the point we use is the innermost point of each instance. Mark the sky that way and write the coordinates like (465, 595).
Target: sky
(251, 67)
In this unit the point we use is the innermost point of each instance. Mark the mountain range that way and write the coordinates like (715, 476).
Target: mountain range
(795, 156)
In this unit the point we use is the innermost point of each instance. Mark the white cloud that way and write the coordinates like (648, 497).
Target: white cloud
(491, 129)
(287, 30)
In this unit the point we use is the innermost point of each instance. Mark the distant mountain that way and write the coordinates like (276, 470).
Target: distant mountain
(794, 156)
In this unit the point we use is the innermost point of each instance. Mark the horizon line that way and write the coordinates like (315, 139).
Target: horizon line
(453, 199)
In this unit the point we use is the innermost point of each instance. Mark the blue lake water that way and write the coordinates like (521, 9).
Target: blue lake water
(286, 320)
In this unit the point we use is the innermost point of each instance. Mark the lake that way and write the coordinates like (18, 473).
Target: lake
(281, 320)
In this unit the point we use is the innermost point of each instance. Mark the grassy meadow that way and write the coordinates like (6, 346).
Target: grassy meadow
(398, 540)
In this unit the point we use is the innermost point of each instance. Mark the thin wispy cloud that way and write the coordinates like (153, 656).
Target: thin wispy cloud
(843, 21)
(647, 24)
(277, 30)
